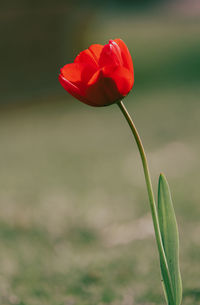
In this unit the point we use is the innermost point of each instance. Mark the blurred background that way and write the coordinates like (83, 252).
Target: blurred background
(75, 224)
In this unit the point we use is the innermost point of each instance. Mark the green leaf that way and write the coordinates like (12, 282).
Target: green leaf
(170, 239)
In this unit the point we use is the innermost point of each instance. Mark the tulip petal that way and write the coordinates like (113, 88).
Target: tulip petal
(73, 89)
(102, 90)
(126, 56)
(108, 85)
(122, 77)
(90, 56)
(77, 72)
(87, 57)
(96, 50)
(110, 55)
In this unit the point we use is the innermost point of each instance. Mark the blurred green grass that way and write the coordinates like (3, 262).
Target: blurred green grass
(75, 226)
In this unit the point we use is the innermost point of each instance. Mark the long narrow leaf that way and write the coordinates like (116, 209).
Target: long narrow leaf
(170, 239)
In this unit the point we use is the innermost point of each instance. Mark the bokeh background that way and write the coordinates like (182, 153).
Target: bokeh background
(75, 224)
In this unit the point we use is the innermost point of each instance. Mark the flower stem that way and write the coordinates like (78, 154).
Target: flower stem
(149, 187)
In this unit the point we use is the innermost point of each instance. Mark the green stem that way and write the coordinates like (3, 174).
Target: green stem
(149, 187)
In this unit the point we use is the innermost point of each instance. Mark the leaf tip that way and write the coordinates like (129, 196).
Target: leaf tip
(162, 178)
(162, 175)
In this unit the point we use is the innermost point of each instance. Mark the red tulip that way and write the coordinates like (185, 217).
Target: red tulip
(100, 75)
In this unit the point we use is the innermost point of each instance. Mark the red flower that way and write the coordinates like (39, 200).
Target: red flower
(100, 75)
